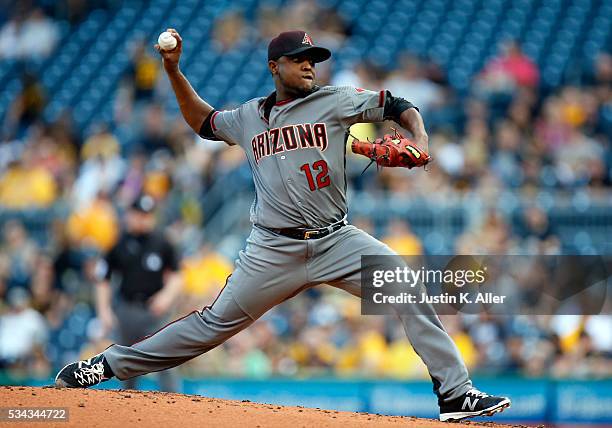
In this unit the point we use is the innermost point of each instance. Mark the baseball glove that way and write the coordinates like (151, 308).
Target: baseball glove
(392, 151)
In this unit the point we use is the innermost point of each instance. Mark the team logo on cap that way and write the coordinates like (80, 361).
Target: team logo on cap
(307, 40)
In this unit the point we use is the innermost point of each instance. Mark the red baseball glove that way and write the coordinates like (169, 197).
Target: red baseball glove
(392, 151)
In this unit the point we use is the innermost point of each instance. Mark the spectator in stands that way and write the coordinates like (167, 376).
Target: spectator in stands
(505, 162)
(522, 110)
(39, 35)
(329, 29)
(550, 129)
(449, 154)
(153, 133)
(229, 31)
(401, 239)
(363, 74)
(490, 236)
(24, 185)
(23, 331)
(600, 75)
(581, 340)
(27, 108)
(20, 253)
(157, 179)
(598, 328)
(9, 36)
(575, 159)
(94, 225)
(28, 36)
(66, 134)
(102, 143)
(101, 169)
(476, 143)
(269, 22)
(538, 233)
(67, 257)
(133, 180)
(603, 93)
(409, 81)
(205, 273)
(55, 156)
(143, 74)
(511, 69)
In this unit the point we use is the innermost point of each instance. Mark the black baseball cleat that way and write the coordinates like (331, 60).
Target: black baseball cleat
(471, 404)
(85, 373)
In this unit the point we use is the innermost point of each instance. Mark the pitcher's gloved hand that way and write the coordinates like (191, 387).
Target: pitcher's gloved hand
(392, 151)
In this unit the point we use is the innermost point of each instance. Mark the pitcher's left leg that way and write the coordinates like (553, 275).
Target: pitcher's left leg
(340, 266)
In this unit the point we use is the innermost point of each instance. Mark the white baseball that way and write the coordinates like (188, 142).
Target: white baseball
(166, 41)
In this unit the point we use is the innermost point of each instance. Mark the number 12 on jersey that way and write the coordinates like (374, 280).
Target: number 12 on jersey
(322, 179)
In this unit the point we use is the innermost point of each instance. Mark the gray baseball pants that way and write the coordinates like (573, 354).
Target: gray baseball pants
(271, 269)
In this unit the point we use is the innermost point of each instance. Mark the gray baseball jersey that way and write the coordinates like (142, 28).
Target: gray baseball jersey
(298, 156)
(298, 163)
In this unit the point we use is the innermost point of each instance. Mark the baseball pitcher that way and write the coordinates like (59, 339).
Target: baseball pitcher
(295, 140)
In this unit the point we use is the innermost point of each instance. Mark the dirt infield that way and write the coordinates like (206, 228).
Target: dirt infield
(125, 408)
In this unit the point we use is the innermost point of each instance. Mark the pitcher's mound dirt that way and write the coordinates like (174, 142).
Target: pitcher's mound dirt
(125, 408)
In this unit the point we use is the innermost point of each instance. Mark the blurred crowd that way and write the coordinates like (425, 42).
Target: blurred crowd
(64, 190)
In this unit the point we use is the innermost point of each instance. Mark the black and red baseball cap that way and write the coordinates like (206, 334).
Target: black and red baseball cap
(292, 43)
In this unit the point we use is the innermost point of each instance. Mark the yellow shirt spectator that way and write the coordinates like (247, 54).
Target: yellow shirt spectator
(205, 273)
(147, 72)
(466, 347)
(401, 362)
(22, 187)
(401, 239)
(103, 144)
(95, 225)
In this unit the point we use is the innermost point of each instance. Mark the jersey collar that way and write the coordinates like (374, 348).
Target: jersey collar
(283, 102)
(270, 101)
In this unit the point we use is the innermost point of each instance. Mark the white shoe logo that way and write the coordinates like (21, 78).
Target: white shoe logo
(469, 403)
(92, 375)
(85, 363)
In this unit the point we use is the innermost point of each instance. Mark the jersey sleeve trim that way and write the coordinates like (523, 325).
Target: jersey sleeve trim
(212, 121)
